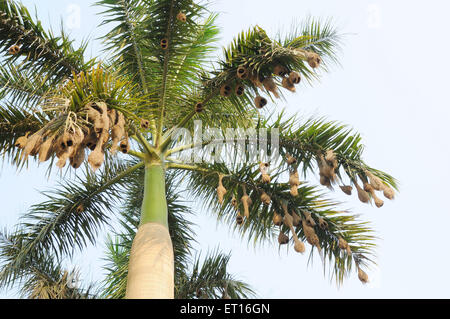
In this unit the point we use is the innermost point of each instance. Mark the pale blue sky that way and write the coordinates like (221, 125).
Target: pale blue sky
(391, 87)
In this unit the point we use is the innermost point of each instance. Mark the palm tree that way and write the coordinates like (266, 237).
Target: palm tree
(157, 82)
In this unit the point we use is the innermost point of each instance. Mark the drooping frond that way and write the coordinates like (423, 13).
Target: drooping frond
(244, 178)
(70, 218)
(209, 279)
(315, 35)
(19, 87)
(42, 278)
(310, 140)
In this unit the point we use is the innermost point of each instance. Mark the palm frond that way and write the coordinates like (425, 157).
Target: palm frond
(70, 218)
(259, 226)
(308, 140)
(39, 51)
(18, 86)
(42, 278)
(209, 279)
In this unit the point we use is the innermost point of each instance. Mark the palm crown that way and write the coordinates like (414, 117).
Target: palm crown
(58, 106)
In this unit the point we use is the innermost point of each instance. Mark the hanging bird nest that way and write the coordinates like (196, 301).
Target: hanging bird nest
(246, 202)
(370, 189)
(199, 107)
(117, 131)
(91, 140)
(388, 192)
(256, 80)
(343, 245)
(242, 72)
(310, 234)
(239, 219)
(63, 155)
(375, 181)
(69, 142)
(221, 190)
(362, 276)
(308, 219)
(14, 50)
(263, 168)
(97, 114)
(294, 182)
(234, 202)
(288, 85)
(296, 220)
(145, 124)
(97, 157)
(265, 199)
(47, 148)
(290, 222)
(283, 239)
(33, 143)
(323, 224)
(270, 85)
(239, 90)
(78, 156)
(225, 90)
(362, 194)
(313, 59)
(299, 246)
(181, 17)
(260, 102)
(277, 219)
(325, 181)
(294, 77)
(294, 178)
(327, 168)
(125, 144)
(164, 44)
(280, 70)
(80, 209)
(287, 218)
(347, 189)
(290, 159)
(294, 190)
(22, 141)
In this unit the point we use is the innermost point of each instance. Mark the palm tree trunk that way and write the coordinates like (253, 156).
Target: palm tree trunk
(151, 267)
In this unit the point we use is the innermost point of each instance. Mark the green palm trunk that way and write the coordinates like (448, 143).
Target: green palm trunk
(151, 267)
(154, 205)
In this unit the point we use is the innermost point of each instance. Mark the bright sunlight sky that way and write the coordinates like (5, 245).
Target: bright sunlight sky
(390, 86)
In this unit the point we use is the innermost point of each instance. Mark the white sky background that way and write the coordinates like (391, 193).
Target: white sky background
(391, 87)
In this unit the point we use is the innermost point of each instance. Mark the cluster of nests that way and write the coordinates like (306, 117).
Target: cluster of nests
(71, 142)
(328, 166)
(289, 80)
(290, 220)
